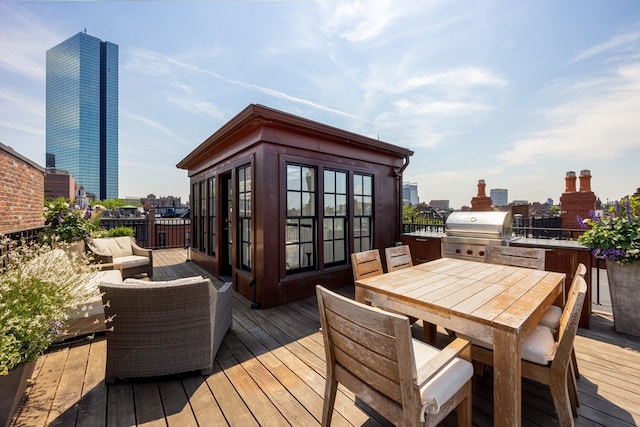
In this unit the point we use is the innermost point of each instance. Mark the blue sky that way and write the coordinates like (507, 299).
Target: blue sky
(513, 92)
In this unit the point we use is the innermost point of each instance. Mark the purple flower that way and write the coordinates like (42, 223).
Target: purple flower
(581, 222)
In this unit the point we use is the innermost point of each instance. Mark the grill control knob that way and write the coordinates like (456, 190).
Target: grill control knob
(469, 252)
(458, 251)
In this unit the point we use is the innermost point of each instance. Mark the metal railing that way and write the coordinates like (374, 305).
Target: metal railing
(154, 233)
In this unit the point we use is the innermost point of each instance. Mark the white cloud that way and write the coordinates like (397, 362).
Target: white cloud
(601, 123)
(627, 42)
(360, 20)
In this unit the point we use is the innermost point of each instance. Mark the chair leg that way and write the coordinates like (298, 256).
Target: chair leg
(574, 363)
(330, 390)
(464, 409)
(572, 387)
(561, 400)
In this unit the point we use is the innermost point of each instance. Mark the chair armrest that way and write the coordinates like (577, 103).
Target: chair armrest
(102, 259)
(101, 266)
(457, 348)
(138, 250)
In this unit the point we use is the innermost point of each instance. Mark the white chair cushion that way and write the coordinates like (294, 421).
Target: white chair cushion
(551, 318)
(131, 261)
(539, 346)
(181, 281)
(446, 383)
(114, 246)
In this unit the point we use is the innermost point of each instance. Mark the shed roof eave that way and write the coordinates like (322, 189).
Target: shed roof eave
(266, 116)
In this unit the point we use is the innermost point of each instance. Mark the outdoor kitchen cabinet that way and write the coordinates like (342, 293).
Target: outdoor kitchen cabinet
(423, 248)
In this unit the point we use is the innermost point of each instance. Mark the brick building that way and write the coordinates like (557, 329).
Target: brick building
(21, 192)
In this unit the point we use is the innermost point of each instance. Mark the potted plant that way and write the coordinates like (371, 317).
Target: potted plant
(38, 286)
(614, 236)
(68, 224)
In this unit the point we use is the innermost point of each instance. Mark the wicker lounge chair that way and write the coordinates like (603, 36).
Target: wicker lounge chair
(162, 328)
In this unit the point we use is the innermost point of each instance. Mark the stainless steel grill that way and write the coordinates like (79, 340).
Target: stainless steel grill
(467, 233)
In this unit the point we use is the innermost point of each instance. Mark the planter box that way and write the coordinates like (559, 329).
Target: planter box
(12, 387)
(624, 286)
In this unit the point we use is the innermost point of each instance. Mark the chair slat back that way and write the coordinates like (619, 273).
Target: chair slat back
(570, 319)
(515, 256)
(369, 346)
(398, 257)
(366, 264)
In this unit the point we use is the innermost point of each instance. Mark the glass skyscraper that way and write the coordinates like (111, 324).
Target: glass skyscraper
(82, 113)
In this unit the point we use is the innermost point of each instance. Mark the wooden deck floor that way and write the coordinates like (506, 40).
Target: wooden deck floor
(270, 372)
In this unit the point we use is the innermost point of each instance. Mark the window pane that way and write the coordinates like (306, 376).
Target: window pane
(329, 182)
(339, 252)
(328, 229)
(294, 206)
(328, 252)
(329, 204)
(292, 257)
(341, 182)
(292, 234)
(293, 178)
(366, 206)
(308, 208)
(308, 181)
(367, 185)
(338, 228)
(341, 205)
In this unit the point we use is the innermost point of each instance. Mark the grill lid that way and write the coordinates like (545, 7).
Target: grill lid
(486, 224)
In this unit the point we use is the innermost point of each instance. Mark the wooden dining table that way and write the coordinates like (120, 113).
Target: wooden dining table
(494, 303)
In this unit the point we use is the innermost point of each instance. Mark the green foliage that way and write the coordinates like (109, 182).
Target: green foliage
(67, 222)
(38, 286)
(114, 232)
(615, 234)
(409, 213)
(111, 203)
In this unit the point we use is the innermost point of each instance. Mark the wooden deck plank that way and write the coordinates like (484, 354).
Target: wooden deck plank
(176, 405)
(64, 410)
(258, 403)
(229, 395)
(120, 406)
(148, 405)
(205, 407)
(270, 371)
(35, 411)
(94, 393)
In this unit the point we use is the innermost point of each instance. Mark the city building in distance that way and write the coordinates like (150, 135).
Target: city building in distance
(82, 113)
(499, 196)
(410, 194)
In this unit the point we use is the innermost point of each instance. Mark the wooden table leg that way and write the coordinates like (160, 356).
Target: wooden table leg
(359, 294)
(507, 385)
(429, 332)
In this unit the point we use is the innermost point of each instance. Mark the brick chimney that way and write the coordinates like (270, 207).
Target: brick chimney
(576, 203)
(481, 202)
(570, 182)
(585, 180)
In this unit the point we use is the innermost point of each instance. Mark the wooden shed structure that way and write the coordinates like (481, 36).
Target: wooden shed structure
(278, 202)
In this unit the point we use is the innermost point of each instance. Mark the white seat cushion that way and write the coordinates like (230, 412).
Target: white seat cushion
(131, 261)
(539, 346)
(551, 318)
(446, 383)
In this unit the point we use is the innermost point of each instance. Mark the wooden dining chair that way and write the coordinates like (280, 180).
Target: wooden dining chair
(371, 352)
(548, 361)
(551, 318)
(398, 257)
(515, 256)
(366, 264)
